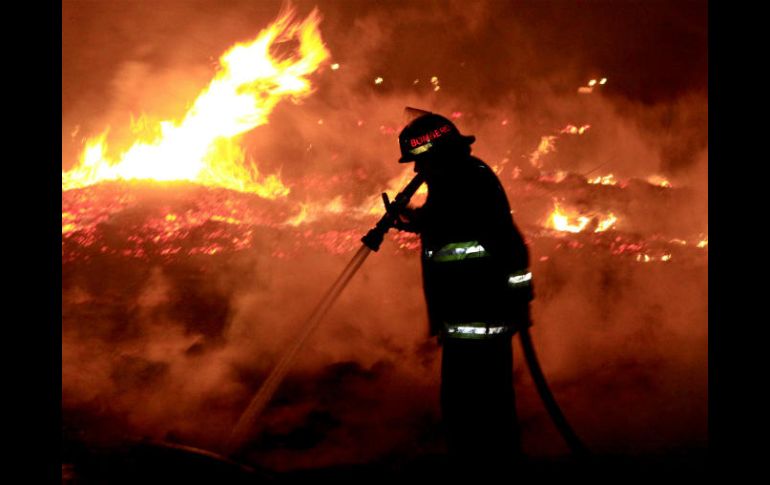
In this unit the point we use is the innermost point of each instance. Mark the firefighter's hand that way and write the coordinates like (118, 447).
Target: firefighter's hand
(403, 222)
(403, 217)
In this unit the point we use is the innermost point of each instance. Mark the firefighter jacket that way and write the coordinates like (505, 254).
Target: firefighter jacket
(475, 264)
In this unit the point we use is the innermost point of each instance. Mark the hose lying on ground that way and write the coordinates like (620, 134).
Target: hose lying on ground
(574, 443)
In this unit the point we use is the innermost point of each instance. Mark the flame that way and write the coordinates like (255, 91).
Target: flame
(434, 82)
(575, 130)
(570, 129)
(553, 177)
(572, 221)
(301, 217)
(604, 180)
(309, 212)
(546, 146)
(607, 223)
(703, 243)
(646, 258)
(659, 180)
(548, 143)
(203, 147)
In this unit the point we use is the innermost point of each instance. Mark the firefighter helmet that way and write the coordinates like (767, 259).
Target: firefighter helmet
(427, 133)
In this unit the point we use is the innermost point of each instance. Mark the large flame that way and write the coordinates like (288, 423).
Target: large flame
(203, 146)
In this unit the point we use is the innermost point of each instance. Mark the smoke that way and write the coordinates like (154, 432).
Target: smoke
(176, 351)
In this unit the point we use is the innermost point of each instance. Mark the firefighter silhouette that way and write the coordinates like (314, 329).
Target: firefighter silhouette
(477, 284)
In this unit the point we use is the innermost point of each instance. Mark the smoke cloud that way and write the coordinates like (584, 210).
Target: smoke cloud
(175, 351)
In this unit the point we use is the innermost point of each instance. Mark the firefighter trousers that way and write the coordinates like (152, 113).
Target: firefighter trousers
(477, 401)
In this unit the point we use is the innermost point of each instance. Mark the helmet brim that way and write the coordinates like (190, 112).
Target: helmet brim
(468, 140)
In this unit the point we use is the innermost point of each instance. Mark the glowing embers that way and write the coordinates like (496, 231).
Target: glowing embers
(574, 221)
(202, 146)
(147, 220)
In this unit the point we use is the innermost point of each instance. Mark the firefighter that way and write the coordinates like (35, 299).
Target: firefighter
(477, 285)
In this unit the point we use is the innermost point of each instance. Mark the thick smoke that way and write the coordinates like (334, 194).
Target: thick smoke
(175, 352)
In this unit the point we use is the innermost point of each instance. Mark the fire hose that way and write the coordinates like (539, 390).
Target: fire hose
(575, 444)
(371, 242)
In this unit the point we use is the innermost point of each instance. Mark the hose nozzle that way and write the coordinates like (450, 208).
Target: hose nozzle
(373, 239)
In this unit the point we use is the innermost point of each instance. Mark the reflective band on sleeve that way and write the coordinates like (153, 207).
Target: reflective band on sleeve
(420, 149)
(457, 251)
(519, 279)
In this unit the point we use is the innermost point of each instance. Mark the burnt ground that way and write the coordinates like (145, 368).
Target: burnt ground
(169, 348)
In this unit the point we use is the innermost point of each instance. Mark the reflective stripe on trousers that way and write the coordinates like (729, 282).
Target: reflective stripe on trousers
(473, 330)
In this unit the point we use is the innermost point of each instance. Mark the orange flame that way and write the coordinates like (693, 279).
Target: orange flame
(603, 180)
(203, 146)
(572, 221)
(311, 212)
(659, 180)
(575, 130)
(646, 258)
(546, 146)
